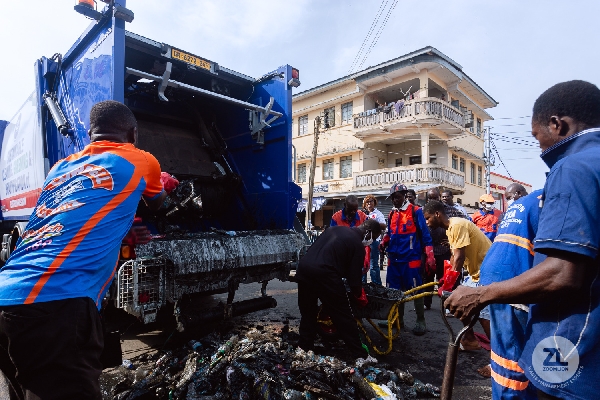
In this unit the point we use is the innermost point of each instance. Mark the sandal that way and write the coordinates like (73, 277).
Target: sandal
(469, 346)
(486, 371)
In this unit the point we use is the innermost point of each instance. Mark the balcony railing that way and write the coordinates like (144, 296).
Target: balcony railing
(421, 173)
(430, 107)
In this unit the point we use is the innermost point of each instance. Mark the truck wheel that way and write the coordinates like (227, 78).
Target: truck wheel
(9, 241)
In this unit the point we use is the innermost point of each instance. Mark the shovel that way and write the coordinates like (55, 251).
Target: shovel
(453, 348)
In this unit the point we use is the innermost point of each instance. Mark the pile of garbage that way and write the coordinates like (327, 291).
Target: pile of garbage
(258, 365)
(372, 289)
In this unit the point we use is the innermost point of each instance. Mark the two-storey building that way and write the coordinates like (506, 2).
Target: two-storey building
(417, 119)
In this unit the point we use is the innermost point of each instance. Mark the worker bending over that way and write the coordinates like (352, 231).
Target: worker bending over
(338, 253)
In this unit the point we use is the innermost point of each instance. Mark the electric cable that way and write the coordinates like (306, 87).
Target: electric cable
(378, 34)
(373, 25)
(500, 158)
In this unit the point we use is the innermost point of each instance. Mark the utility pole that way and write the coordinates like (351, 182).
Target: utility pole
(487, 156)
(311, 177)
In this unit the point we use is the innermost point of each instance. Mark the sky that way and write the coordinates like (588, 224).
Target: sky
(513, 49)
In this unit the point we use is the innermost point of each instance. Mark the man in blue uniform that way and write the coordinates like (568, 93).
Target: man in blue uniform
(561, 357)
(511, 254)
(406, 239)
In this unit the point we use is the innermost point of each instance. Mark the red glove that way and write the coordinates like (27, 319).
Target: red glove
(449, 279)
(384, 243)
(138, 234)
(362, 301)
(430, 263)
(168, 181)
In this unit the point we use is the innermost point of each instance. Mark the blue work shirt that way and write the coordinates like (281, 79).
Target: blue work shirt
(562, 354)
(511, 254)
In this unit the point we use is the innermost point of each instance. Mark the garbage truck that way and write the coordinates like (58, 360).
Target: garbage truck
(224, 135)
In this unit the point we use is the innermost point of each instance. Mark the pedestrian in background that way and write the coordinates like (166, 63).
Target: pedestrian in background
(370, 207)
(349, 216)
(487, 217)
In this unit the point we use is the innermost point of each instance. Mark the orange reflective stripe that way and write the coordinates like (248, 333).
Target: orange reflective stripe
(506, 363)
(509, 383)
(516, 240)
(82, 233)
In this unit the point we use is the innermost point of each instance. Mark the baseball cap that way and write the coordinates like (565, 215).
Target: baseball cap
(397, 187)
(487, 198)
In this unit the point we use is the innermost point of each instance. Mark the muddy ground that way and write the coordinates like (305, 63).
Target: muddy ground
(423, 356)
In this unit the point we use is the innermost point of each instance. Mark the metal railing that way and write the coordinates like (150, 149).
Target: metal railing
(411, 174)
(427, 107)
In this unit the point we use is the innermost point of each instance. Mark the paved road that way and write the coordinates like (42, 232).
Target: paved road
(423, 356)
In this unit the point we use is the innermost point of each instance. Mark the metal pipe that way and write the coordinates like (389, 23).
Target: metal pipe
(295, 153)
(179, 85)
(57, 115)
(453, 348)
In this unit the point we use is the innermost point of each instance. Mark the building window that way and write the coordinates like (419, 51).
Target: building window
(472, 173)
(462, 165)
(454, 161)
(347, 112)
(479, 174)
(432, 159)
(303, 125)
(346, 167)
(328, 169)
(398, 162)
(302, 173)
(329, 117)
(414, 160)
(478, 126)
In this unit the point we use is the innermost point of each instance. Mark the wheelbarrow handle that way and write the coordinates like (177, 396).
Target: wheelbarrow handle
(452, 353)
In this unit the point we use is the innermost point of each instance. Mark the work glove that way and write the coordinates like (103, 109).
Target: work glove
(168, 181)
(138, 233)
(449, 279)
(362, 300)
(384, 243)
(430, 263)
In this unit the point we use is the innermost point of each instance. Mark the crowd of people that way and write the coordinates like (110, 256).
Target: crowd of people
(530, 274)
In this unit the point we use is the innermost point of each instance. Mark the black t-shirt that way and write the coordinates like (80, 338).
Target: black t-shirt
(337, 253)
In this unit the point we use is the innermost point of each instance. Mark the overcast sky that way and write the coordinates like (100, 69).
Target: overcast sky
(513, 49)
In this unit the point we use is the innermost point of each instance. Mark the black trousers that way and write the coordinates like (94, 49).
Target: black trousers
(439, 272)
(333, 296)
(52, 350)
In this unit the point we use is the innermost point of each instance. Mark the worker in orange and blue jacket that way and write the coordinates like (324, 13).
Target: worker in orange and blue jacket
(487, 218)
(406, 238)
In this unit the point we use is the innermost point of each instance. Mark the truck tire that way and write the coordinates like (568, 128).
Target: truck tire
(9, 241)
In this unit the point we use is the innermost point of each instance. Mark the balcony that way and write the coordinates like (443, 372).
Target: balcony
(430, 110)
(409, 175)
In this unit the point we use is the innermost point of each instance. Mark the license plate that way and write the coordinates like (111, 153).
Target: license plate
(190, 59)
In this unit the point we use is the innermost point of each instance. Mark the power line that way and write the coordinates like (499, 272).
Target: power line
(373, 25)
(378, 34)
(500, 158)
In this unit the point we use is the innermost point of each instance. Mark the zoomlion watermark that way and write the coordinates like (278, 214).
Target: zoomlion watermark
(555, 362)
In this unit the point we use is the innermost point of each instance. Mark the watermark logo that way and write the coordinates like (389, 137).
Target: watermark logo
(555, 359)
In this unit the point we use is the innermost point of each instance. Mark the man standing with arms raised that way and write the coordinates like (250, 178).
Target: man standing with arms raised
(53, 283)
(561, 357)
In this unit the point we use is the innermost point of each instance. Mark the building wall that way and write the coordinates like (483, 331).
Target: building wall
(375, 155)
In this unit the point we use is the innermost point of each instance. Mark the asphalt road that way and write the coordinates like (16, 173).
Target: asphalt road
(423, 356)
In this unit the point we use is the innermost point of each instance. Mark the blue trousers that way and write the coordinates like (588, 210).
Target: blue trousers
(374, 270)
(404, 275)
(508, 339)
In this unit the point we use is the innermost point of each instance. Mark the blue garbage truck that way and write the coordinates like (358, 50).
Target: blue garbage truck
(224, 135)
